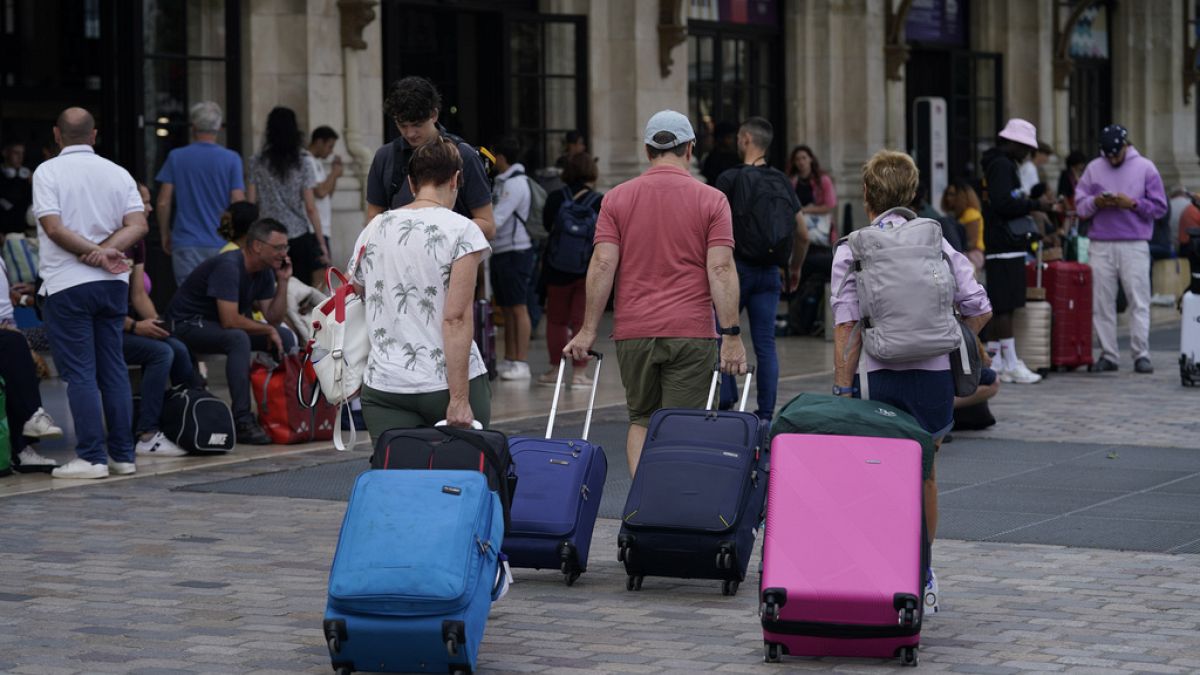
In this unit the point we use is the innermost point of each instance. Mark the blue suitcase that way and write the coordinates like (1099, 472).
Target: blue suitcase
(698, 496)
(415, 573)
(562, 482)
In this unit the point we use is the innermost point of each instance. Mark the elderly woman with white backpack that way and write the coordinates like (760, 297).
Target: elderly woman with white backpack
(415, 268)
(897, 286)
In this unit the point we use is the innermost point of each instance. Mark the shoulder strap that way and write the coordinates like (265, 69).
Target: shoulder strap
(591, 198)
(399, 171)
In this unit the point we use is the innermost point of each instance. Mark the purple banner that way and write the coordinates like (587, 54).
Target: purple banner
(942, 22)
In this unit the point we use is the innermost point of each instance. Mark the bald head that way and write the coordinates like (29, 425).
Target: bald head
(75, 126)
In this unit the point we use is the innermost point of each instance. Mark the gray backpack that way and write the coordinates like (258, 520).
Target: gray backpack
(905, 289)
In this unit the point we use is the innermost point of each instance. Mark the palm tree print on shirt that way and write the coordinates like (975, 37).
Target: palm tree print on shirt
(375, 299)
(403, 292)
(439, 362)
(411, 354)
(367, 259)
(383, 340)
(445, 270)
(406, 229)
(428, 309)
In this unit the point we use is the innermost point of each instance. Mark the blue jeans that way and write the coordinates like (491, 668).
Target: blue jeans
(85, 324)
(158, 359)
(184, 259)
(760, 289)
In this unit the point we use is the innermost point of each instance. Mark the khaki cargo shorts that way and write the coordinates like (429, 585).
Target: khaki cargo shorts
(665, 373)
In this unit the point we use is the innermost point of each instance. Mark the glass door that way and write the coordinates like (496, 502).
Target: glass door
(545, 64)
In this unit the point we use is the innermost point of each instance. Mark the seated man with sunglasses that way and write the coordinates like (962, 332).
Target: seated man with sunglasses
(211, 313)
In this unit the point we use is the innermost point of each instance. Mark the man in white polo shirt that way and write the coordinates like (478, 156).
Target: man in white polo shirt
(89, 212)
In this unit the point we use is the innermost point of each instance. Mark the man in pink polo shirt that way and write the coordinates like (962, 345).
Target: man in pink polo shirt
(670, 237)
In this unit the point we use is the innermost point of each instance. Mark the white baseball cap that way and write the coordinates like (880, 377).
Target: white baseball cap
(672, 122)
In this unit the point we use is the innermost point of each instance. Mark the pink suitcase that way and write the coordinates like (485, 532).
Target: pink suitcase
(843, 573)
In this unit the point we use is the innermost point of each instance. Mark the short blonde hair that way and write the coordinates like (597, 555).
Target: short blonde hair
(889, 180)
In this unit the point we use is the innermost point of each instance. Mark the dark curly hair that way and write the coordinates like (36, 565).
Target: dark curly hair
(413, 99)
(282, 146)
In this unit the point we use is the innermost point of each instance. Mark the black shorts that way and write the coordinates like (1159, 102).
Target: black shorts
(1005, 283)
(305, 253)
(512, 272)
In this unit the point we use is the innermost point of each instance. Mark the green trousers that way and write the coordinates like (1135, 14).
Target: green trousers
(383, 410)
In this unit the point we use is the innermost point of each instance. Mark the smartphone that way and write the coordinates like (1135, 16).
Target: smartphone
(162, 324)
(1107, 195)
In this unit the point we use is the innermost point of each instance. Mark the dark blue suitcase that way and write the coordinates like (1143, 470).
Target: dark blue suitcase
(562, 482)
(415, 573)
(698, 496)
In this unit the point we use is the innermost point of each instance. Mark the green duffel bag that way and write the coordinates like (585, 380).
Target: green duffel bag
(5, 441)
(840, 416)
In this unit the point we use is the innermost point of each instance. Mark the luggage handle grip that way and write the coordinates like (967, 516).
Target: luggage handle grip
(716, 379)
(587, 422)
(475, 424)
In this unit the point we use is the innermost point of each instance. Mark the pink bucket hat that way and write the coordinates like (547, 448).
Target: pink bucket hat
(1020, 131)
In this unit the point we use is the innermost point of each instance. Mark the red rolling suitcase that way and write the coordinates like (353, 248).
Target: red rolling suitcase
(1069, 291)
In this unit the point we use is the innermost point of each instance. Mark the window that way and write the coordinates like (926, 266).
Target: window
(733, 73)
(1091, 80)
(188, 49)
(547, 76)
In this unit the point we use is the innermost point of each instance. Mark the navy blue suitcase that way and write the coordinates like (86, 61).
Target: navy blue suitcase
(415, 573)
(698, 496)
(562, 482)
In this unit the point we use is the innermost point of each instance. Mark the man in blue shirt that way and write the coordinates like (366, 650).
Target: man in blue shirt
(203, 178)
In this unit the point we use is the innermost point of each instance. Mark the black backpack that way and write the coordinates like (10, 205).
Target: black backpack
(764, 217)
(570, 247)
(197, 421)
(402, 152)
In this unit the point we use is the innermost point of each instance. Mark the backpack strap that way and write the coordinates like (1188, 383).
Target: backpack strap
(399, 170)
(591, 198)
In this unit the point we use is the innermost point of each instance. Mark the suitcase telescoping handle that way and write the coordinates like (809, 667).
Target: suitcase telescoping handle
(716, 380)
(587, 422)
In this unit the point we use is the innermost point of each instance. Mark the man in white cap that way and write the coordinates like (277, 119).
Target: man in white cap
(671, 239)
(1006, 247)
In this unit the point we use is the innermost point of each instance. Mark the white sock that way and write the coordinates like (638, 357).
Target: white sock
(993, 348)
(1008, 353)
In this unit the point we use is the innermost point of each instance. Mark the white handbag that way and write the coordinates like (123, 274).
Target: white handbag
(338, 350)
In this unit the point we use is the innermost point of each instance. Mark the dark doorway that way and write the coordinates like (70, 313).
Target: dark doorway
(501, 68)
(971, 84)
(1091, 103)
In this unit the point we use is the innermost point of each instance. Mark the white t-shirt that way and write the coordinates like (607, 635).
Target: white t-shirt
(1028, 175)
(511, 201)
(324, 204)
(92, 196)
(402, 259)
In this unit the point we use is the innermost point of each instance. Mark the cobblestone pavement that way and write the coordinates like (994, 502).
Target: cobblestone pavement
(136, 577)
(133, 577)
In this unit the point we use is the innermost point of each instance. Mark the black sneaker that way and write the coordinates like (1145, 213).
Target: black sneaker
(1143, 365)
(1103, 366)
(252, 434)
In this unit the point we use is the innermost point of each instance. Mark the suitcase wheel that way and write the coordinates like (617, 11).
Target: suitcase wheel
(909, 656)
(633, 583)
(452, 646)
(772, 652)
(730, 587)
(724, 559)
(344, 670)
(625, 555)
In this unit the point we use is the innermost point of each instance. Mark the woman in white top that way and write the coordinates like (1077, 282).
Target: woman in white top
(416, 267)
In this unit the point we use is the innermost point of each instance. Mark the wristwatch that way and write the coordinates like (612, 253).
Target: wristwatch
(844, 391)
(733, 330)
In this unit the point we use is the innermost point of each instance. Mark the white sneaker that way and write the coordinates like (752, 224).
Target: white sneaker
(122, 468)
(41, 425)
(81, 468)
(159, 446)
(30, 458)
(1020, 374)
(931, 593)
(518, 371)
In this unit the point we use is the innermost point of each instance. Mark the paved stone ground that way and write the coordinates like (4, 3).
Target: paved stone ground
(136, 577)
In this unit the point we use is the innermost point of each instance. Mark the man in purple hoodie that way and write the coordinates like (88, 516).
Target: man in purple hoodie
(1123, 195)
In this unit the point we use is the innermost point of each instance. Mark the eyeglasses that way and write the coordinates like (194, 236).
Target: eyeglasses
(279, 248)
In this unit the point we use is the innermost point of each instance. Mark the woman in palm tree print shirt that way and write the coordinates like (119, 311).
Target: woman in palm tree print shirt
(416, 267)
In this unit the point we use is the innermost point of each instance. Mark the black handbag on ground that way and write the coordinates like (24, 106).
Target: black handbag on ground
(197, 421)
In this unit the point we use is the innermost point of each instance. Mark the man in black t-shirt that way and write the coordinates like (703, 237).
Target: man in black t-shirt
(413, 104)
(211, 313)
(757, 193)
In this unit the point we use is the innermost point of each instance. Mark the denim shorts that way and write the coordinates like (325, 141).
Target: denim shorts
(512, 272)
(927, 395)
